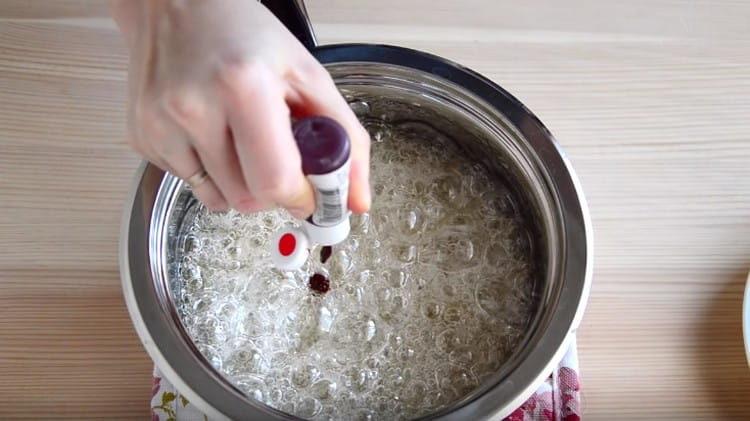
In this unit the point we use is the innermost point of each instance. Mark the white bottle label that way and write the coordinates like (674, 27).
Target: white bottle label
(331, 196)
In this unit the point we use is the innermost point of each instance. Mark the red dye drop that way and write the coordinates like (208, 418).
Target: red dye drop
(319, 283)
(325, 253)
(287, 244)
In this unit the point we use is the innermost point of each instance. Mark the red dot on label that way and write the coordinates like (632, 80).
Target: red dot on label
(287, 243)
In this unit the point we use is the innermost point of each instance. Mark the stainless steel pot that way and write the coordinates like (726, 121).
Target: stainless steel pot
(398, 84)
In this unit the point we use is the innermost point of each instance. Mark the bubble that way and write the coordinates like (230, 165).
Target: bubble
(192, 274)
(360, 108)
(449, 340)
(489, 298)
(406, 253)
(415, 393)
(347, 399)
(453, 252)
(393, 307)
(446, 189)
(397, 381)
(253, 386)
(192, 244)
(461, 356)
(275, 396)
(227, 310)
(360, 223)
(373, 362)
(452, 314)
(411, 221)
(304, 376)
(365, 415)
(379, 136)
(463, 380)
(370, 330)
(246, 360)
(211, 355)
(395, 278)
(288, 407)
(209, 328)
(431, 310)
(324, 389)
(356, 379)
(406, 354)
(449, 290)
(378, 130)
(308, 408)
(342, 264)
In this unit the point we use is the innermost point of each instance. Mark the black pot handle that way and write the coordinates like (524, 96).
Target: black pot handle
(293, 15)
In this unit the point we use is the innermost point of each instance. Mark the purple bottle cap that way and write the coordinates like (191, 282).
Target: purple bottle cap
(323, 144)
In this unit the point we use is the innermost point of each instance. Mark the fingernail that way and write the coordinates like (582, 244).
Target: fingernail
(368, 198)
(303, 204)
(217, 206)
(364, 202)
(299, 213)
(250, 206)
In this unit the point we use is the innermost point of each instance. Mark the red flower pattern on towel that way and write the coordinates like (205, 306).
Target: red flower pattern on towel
(558, 398)
(155, 384)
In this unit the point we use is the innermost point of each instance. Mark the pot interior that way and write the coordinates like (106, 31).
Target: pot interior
(384, 97)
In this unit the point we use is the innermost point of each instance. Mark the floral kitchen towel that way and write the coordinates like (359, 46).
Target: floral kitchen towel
(557, 399)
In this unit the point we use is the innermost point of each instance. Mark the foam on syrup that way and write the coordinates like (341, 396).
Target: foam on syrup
(428, 296)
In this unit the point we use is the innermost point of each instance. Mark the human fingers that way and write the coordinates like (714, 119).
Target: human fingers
(259, 120)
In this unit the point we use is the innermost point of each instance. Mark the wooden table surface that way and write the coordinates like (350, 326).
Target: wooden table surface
(650, 99)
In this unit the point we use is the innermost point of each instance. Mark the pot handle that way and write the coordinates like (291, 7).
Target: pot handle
(293, 15)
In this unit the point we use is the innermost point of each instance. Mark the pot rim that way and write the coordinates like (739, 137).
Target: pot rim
(216, 393)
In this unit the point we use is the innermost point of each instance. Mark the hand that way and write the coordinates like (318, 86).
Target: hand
(212, 86)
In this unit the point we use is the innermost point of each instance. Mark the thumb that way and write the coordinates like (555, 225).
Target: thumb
(300, 199)
(269, 157)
